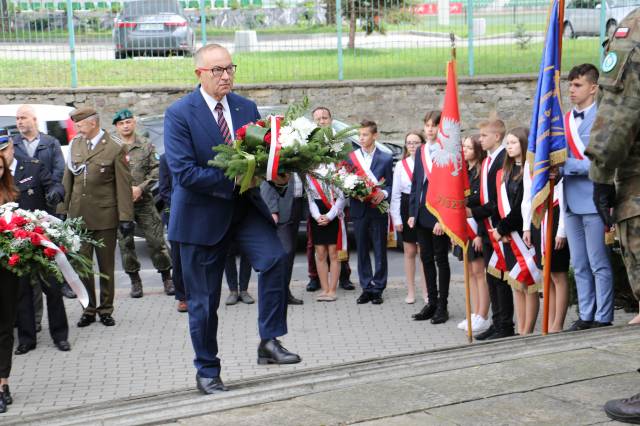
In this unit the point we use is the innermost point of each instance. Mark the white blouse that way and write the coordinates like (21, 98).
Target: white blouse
(312, 195)
(401, 185)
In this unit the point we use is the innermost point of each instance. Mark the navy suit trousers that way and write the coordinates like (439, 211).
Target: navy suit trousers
(203, 267)
(371, 232)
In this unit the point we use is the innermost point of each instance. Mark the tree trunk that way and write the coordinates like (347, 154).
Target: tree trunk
(4, 16)
(352, 24)
(331, 12)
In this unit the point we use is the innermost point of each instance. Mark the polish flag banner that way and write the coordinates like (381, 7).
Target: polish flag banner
(448, 182)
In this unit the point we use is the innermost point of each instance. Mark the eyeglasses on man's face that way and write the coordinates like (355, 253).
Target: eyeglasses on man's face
(218, 71)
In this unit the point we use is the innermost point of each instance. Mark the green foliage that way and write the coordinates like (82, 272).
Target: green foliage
(522, 37)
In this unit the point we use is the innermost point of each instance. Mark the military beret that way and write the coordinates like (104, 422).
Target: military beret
(82, 113)
(123, 114)
(4, 138)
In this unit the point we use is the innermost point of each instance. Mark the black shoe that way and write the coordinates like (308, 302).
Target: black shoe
(136, 285)
(6, 395)
(210, 386)
(598, 324)
(23, 349)
(425, 313)
(365, 297)
(485, 334)
(625, 410)
(347, 285)
(314, 285)
(271, 351)
(86, 319)
(376, 299)
(63, 345)
(3, 404)
(38, 328)
(441, 315)
(580, 325)
(293, 301)
(501, 334)
(67, 292)
(107, 320)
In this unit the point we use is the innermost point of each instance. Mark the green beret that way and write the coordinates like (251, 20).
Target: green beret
(123, 114)
(82, 113)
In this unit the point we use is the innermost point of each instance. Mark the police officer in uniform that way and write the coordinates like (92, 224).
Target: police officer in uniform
(143, 163)
(614, 150)
(97, 185)
(38, 191)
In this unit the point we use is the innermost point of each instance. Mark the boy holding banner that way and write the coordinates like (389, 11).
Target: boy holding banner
(371, 225)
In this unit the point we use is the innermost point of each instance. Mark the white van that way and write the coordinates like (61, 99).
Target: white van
(52, 119)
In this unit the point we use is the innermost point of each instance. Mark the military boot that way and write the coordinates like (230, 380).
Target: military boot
(169, 289)
(136, 285)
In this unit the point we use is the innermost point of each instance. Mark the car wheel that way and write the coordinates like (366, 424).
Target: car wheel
(568, 31)
(120, 54)
(611, 28)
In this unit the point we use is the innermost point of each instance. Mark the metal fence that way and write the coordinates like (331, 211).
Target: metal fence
(65, 43)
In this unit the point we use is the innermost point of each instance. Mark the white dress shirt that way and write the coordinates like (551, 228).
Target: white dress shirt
(226, 112)
(401, 185)
(96, 139)
(312, 195)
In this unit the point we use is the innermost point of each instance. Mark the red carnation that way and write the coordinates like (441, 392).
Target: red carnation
(19, 220)
(36, 239)
(14, 260)
(242, 131)
(20, 233)
(63, 249)
(267, 138)
(50, 252)
(38, 230)
(261, 123)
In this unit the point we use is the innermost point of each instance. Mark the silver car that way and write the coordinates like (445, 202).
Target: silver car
(582, 17)
(152, 27)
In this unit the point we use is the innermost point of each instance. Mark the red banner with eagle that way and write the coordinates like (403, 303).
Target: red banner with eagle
(448, 182)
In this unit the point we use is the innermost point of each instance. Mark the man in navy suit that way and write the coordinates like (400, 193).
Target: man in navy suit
(208, 212)
(371, 226)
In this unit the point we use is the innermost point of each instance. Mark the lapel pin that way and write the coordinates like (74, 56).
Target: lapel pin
(30, 191)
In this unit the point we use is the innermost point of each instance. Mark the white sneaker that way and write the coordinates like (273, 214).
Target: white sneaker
(481, 325)
(462, 325)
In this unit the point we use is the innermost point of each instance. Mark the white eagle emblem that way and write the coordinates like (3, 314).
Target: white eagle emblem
(449, 148)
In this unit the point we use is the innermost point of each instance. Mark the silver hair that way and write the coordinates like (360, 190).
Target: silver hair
(197, 57)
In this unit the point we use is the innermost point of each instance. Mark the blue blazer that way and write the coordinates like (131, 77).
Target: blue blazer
(578, 188)
(418, 196)
(48, 152)
(202, 202)
(381, 167)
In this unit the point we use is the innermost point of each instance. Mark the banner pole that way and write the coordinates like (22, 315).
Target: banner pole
(467, 293)
(548, 247)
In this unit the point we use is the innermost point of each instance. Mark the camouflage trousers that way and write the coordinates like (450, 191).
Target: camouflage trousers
(629, 233)
(148, 220)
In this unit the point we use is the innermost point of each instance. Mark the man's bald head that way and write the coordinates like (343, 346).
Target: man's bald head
(27, 121)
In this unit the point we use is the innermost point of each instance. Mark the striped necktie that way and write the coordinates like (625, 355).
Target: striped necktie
(222, 125)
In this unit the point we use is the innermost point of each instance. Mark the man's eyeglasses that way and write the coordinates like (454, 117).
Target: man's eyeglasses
(218, 71)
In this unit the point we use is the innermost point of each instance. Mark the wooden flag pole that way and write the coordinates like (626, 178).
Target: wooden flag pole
(467, 293)
(548, 247)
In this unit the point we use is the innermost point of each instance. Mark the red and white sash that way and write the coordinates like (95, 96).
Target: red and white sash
(574, 141)
(274, 148)
(427, 163)
(472, 228)
(407, 169)
(525, 270)
(557, 199)
(497, 260)
(329, 202)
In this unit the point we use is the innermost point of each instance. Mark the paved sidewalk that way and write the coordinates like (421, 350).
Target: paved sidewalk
(149, 350)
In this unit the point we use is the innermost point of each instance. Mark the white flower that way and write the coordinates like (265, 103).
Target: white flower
(304, 126)
(350, 181)
(75, 244)
(288, 136)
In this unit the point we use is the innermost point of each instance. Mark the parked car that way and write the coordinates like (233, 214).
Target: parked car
(52, 119)
(582, 17)
(152, 27)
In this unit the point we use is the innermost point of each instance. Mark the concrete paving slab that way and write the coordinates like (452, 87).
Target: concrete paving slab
(411, 419)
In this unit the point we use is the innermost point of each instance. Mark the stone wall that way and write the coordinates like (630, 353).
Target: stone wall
(396, 105)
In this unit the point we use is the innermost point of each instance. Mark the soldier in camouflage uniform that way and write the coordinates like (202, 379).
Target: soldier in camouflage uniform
(614, 150)
(143, 162)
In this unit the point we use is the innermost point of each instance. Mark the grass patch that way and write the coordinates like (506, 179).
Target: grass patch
(293, 66)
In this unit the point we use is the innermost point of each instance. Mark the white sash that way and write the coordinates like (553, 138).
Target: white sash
(575, 134)
(367, 169)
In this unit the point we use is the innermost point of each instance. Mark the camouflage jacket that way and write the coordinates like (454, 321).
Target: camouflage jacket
(144, 163)
(614, 145)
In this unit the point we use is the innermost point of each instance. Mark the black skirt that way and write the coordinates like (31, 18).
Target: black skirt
(324, 235)
(559, 258)
(409, 235)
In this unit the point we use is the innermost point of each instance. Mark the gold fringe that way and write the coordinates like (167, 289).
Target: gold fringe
(539, 199)
(558, 157)
(531, 157)
(518, 286)
(494, 272)
(343, 255)
(454, 238)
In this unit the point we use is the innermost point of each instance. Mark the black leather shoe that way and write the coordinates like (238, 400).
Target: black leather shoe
(485, 334)
(598, 324)
(63, 345)
(293, 301)
(625, 410)
(501, 334)
(271, 351)
(23, 349)
(347, 285)
(580, 325)
(425, 313)
(107, 320)
(86, 320)
(3, 404)
(67, 292)
(210, 386)
(365, 297)
(441, 315)
(377, 299)
(314, 285)
(6, 395)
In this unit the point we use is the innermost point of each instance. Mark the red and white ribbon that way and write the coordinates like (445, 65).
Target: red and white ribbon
(472, 228)
(341, 244)
(574, 141)
(427, 163)
(407, 169)
(274, 149)
(497, 260)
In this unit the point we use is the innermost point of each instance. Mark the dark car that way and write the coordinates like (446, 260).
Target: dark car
(152, 27)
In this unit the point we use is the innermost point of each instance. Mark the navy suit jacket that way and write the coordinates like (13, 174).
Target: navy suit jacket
(490, 208)
(48, 152)
(34, 182)
(417, 199)
(381, 167)
(202, 199)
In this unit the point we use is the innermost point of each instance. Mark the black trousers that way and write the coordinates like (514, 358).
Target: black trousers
(434, 254)
(58, 325)
(500, 295)
(9, 291)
